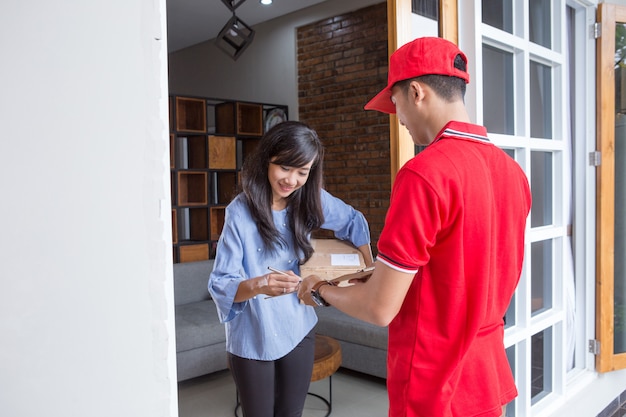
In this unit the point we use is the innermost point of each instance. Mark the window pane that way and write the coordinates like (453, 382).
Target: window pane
(499, 14)
(541, 275)
(426, 8)
(510, 354)
(509, 152)
(540, 101)
(541, 188)
(498, 107)
(541, 360)
(540, 22)
(509, 318)
(620, 193)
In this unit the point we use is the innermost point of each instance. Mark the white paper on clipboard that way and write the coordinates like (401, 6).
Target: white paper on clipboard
(344, 259)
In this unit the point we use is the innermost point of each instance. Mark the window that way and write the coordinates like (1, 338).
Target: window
(520, 99)
(611, 215)
(531, 70)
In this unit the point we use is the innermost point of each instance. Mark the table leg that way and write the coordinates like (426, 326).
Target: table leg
(329, 402)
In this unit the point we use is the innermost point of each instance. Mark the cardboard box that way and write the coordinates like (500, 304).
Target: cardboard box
(332, 258)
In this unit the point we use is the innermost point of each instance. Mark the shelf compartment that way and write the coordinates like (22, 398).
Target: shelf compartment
(223, 187)
(172, 151)
(170, 110)
(222, 152)
(246, 147)
(193, 253)
(239, 118)
(193, 224)
(192, 188)
(174, 227)
(173, 187)
(217, 221)
(190, 114)
(191, 152)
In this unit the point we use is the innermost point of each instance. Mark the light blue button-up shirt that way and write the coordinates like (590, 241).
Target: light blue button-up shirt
(268, 328)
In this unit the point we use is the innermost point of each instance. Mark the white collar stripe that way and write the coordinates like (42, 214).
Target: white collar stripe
(451, 132)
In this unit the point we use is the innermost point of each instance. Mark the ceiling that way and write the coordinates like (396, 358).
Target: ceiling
(193, 21)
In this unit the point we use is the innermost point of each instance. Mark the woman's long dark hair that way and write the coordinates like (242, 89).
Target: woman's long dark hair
(292, 144)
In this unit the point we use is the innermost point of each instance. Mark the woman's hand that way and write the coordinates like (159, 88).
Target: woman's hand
(279, 283)
(304, 292)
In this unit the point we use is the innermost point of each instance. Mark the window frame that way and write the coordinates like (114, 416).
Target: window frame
(591, 266)
(400, 32)
(608, 15)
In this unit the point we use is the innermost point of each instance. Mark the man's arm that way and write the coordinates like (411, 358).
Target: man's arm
(376, 301)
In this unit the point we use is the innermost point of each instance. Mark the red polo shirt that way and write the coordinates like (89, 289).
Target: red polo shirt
(457, 216)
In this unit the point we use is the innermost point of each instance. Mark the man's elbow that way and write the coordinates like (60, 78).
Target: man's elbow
(382, 317)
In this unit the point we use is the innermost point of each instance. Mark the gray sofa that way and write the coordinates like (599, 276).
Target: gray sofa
(201, 341)
(363, 345)
(200, 337)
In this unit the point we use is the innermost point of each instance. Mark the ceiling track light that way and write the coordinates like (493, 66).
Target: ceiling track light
(233, 4)
(234, 37)
(265, 2)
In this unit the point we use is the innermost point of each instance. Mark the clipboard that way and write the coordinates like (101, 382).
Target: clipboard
(362, 274)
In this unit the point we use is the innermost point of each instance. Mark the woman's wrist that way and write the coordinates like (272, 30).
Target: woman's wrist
(262, 284)
(316, 292)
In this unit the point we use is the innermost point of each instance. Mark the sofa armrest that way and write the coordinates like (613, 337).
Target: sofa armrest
(191, 280)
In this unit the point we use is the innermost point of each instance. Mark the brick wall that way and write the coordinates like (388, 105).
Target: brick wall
(342, 63)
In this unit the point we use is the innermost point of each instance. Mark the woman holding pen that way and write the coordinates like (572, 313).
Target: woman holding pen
(269, 333)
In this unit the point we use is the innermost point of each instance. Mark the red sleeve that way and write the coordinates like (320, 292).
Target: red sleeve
(415, 217)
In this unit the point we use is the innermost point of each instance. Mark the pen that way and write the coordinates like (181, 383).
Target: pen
(278, 271)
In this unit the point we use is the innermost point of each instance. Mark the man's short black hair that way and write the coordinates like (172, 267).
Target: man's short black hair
(447, 87)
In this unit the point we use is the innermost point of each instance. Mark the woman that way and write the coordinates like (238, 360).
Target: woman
(269, 333)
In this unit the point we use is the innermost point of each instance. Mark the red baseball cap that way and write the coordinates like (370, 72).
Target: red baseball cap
(422, 56)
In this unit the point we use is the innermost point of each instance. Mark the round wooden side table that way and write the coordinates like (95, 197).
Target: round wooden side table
(327, 361)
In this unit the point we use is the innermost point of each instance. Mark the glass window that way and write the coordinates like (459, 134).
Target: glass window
(520, 84)
(541, 276)
(541, 180)
(510, 318)
(426, 8)
(498, 99)
(510, 354)
(540, 25)
(620, 191)
(509, 152)
(540, 100)
(611, 212)
(498, 14)
(541, 359)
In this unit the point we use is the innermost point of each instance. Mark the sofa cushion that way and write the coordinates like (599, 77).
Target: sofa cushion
(197, 325)
(340, 326)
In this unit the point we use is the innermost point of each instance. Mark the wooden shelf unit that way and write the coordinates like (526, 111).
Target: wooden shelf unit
(192, 188)
(245, 119)
(190, 114)
(222, 152)
(209, 140)
(174, 227)
(217, 221)
(193, 253)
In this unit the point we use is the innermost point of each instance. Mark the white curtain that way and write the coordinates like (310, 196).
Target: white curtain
(568, 258)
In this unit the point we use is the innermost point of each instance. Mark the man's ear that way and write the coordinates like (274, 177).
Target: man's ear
(416, 91)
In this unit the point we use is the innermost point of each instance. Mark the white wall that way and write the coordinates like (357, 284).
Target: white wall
(86, 300)
(267, 69)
